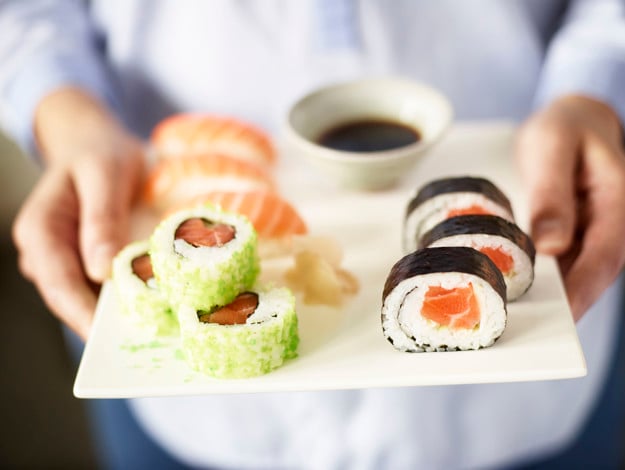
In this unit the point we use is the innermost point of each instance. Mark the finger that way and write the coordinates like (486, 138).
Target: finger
(104, 212)
(602, 252)
(43, 234)
(596, 266)
(65, 290)
(547, 158)
(566, 259)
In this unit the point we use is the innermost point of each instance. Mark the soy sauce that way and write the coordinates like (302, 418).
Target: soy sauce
(369, 135)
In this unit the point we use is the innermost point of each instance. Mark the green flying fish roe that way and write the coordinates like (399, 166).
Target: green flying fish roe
(204, 277)
(150, 311)
(143, 304)
(246, 350)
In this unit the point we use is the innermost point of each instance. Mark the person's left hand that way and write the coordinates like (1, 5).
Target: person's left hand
(77, 216)
(572, 161)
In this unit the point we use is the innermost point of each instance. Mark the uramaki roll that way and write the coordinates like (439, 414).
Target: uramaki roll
(204, 257)
(138, 295)
(443, 299)
(449, 197)
(502, 241)
(251, 336)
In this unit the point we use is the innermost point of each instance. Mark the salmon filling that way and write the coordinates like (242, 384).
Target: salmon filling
(270, 215)
(455, 308)
(235, 313)
(471, 210)
(502, 260)
(201, 232)
(142, 267)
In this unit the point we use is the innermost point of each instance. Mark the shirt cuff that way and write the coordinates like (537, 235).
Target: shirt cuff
(41, 76)
(598, 77)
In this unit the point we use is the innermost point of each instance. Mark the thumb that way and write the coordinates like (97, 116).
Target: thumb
(104, 213)
(547, 157)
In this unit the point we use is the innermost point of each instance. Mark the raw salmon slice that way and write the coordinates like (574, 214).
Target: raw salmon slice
(456, 308)
(142, 267)
(174, 181)
(474, 209)
(187, 134)
(270, 214)
(235, 313)
(200, 232)
(502, 260)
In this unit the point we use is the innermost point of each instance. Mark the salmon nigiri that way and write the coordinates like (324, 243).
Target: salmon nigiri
(174, 181)
(188, 134)
(270, 214)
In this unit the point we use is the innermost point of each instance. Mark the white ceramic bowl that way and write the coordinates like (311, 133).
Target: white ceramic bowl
(390, 99)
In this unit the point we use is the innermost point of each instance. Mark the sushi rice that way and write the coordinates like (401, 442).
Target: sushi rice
(519, 279)
(486, 233)
(436, 209)
(263, 343)
(411, 332)
(203, 277)
(142, 302)
(448, 268)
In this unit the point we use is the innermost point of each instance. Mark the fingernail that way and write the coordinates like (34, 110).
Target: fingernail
(101, 260)
(549, 236)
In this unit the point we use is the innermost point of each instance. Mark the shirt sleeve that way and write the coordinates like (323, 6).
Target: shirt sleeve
(587, 55)
(44, 45)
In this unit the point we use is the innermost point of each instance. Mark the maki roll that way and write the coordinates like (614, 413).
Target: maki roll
(450, 197)
(136, 289)
(443, 299)
(204, 257)
(502, 241)
(251, 336)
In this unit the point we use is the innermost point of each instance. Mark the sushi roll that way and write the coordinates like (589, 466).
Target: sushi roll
(502, 241)
(450, 197)
(137, 293)
(204, 257)
(443, 299)
(175, 181)
(251, 336)
(187, 134)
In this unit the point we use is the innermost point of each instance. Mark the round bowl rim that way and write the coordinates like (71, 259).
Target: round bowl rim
(380, 156)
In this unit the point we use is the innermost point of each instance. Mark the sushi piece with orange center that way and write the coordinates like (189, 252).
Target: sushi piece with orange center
(443, 299)
(510, 249)
(450, 197)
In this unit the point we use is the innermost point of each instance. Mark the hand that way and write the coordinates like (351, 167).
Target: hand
(76, 218)
(572, 161)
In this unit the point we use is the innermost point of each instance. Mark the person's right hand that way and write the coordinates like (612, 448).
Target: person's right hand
(77, 216)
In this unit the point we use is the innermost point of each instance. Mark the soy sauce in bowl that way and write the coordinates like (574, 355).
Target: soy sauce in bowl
(371, 135)
(367, 134)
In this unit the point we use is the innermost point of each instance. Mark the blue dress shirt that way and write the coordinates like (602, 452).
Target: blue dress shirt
(252, 58)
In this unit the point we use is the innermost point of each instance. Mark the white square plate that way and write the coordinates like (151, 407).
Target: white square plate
(345, 348)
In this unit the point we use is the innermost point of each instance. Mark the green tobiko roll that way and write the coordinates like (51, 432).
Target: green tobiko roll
(265, 339)
(204, 257)
(139, 297)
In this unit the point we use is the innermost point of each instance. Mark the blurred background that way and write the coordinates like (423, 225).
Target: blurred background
(44, 426)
